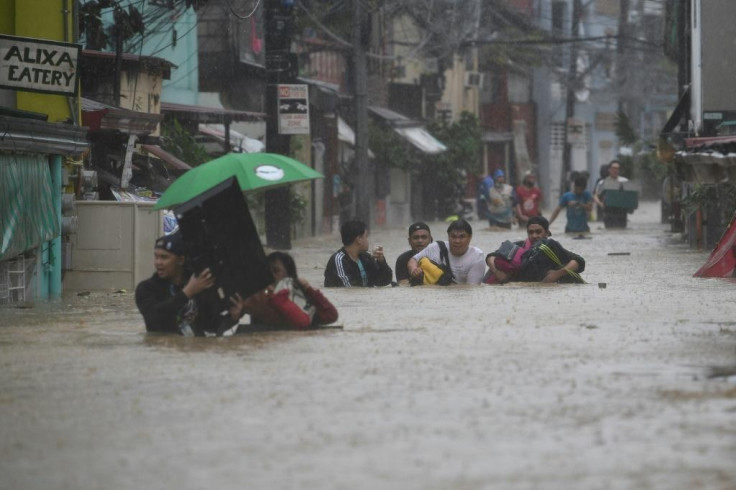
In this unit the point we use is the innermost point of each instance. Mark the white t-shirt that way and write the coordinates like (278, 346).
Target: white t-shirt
(608, 181)
(468, 268)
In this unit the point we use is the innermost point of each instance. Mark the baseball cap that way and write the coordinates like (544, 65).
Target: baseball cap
(498, 173)
(539, 220)
(173, 243)
(419, 225)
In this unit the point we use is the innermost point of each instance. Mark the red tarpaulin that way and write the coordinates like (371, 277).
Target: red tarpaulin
(722, 262)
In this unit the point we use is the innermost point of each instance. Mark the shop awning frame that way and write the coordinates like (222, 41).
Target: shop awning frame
(209, 115)
(411, 130)
(98, 116)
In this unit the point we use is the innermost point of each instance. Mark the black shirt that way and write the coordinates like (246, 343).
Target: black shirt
(165, 308)
(402, 272)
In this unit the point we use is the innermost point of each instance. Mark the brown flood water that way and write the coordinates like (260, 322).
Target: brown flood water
(509, 387)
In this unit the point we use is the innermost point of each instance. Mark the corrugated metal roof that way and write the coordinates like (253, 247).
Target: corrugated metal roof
(210, 115)
(21, 134)
(99, 116)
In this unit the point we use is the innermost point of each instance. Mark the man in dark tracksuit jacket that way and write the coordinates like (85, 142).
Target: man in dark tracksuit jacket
(352, 265)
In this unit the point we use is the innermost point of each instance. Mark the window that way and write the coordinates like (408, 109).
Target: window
(519, 89)
(559, 10)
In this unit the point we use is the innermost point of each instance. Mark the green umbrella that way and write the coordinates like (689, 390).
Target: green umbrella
(255, 171)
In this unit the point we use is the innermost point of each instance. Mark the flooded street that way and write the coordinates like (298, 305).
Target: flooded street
(512, 387)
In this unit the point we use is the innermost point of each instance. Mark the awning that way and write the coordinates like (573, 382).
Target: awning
(421, 138)
(209, 115)
(239, 142)
(98, 116)
(325, 86)
(22, 134)
(413, 131)
(167, 157)
(344, 132)
(707, 160)
(497, 137)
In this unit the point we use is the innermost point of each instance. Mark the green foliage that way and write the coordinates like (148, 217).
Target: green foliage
(462, 139)
(127, 22)
(624, 130)
(720, 196)
(644, 166)
(388, 146)
(651, 173)
(444, 175)
(297, 205)
(177, 141)
(627, 166)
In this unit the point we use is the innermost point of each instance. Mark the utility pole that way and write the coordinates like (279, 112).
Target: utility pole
(572, 85)
(118, 69)
(621, 49)
(279, 70)
(365, 176)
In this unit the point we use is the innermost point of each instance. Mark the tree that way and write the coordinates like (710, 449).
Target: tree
(444, 175)
(129, 22)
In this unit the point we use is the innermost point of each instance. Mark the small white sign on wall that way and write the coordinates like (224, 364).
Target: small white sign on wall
(293, 109)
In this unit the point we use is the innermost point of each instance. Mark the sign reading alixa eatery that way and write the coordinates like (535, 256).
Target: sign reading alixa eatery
(39, 65)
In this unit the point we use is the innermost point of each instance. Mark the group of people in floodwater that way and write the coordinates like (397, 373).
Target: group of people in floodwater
(172, 300)
(175, 299)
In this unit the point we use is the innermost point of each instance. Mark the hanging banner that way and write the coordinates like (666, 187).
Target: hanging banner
(293, 111)
(39, 65)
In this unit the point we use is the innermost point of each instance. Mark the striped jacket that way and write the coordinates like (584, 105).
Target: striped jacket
(342, 271)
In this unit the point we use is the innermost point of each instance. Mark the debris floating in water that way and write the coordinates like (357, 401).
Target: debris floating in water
(619, 253)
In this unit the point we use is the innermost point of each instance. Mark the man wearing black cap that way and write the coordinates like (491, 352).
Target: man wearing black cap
(528, 264)
(170, 300)
(419, 237)
(538, 266)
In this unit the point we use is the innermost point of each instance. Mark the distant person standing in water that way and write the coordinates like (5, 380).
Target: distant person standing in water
(501, 202)
(528, 199)
(613, 217)
(579, 202)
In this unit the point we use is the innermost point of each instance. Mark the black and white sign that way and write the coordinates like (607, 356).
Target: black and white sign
(293, 109)
(38, 65)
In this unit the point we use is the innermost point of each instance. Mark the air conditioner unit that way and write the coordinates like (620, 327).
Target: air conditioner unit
(474, 79)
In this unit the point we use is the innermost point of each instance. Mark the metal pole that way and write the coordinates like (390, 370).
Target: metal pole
(572, 82)
(55, 244)
(277, 20)
(365, 178)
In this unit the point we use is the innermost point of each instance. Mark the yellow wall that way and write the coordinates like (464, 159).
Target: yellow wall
(42, 19)
(7, 14)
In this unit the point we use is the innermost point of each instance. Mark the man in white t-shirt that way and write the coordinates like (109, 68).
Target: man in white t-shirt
(612, 217)
(467, 263)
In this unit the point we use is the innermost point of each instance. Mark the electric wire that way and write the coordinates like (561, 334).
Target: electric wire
(241, 17)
